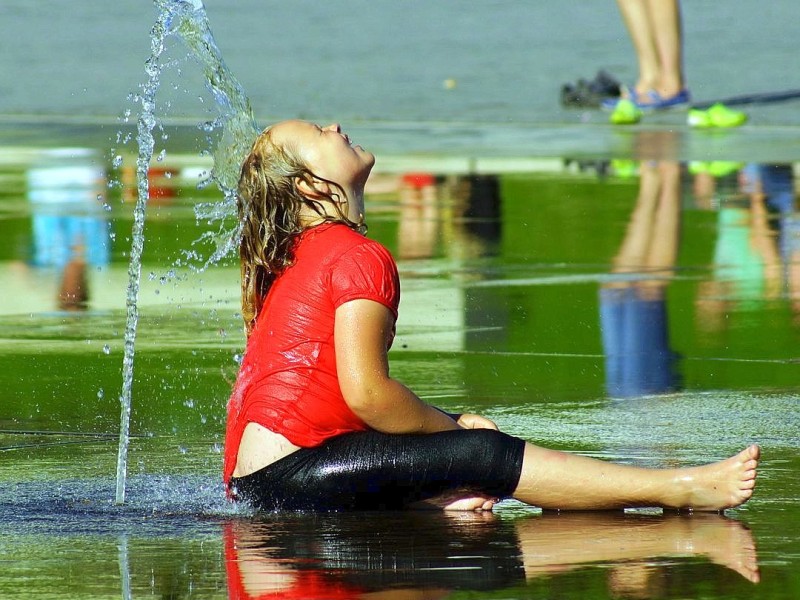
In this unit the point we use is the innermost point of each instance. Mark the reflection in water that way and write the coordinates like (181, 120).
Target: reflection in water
(124, 568)
(419, 221)
(70, 231)
(757, 251)
(633, 310)
(463, 213)
(756, 258)
(506, 550)
(454, 217)
(430, 554)
(482, 212)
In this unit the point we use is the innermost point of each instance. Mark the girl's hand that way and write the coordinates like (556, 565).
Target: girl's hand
(470, 421)
(459, 500)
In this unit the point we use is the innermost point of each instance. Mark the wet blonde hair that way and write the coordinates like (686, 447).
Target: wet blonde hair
(269, 204)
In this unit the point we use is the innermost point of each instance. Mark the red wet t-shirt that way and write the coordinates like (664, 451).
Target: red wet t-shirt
(287, 381)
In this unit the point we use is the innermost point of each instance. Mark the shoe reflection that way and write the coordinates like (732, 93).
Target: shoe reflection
(426, 555)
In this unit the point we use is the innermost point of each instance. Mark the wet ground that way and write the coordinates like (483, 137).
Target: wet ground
(625, 296)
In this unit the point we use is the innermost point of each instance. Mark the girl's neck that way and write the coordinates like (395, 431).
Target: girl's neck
(330, 211)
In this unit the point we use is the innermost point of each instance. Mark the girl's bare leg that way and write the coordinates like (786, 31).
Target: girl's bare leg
(558, 480)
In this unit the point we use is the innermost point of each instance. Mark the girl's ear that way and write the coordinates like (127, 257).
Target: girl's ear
(314, 189)
(306, 188)
(318, 189)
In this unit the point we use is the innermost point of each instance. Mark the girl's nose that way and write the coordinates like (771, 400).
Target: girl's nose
(334, 127)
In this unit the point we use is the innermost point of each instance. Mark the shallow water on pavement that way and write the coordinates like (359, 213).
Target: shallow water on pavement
(640, 311)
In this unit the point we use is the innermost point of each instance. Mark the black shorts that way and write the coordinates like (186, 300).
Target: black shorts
(370, 470)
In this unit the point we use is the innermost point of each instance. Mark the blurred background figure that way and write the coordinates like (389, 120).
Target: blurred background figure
(655, 30)
(70, 230)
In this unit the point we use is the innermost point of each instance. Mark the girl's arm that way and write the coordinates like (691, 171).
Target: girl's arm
(361, 335)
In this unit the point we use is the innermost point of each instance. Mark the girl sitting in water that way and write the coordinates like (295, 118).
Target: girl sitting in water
(315, 422)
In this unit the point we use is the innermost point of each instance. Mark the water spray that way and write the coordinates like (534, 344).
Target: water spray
(188, 20)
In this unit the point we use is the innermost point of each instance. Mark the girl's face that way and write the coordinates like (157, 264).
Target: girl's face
(327, 151)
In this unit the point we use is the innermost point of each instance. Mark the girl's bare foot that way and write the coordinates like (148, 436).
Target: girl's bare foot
(716, 486)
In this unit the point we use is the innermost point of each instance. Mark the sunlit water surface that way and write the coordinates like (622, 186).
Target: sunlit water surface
(641, 312)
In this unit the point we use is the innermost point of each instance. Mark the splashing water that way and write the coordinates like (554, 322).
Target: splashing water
(187, 19)
(235, 122)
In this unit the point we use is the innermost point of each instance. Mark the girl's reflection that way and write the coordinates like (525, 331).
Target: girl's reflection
(428, 555)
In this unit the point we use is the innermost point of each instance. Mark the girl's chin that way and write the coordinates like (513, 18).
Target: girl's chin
(367, 170)
(368, 157)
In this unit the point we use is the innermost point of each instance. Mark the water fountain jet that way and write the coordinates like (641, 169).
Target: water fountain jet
(187, 19)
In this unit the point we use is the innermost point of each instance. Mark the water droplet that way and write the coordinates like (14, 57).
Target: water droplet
(117, 160)
(106, 349)
(161, 155)
(189, 403)
(101, 394)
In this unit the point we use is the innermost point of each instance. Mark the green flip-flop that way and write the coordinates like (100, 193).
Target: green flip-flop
(717, 115)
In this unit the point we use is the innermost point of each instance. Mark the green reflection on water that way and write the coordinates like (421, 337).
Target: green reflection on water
(501, 314)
